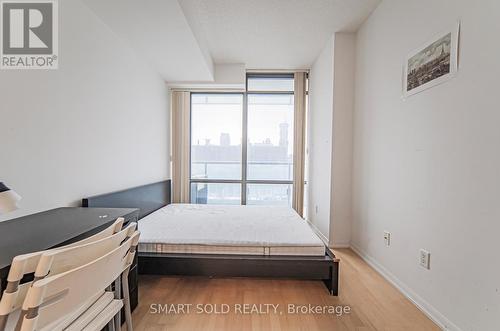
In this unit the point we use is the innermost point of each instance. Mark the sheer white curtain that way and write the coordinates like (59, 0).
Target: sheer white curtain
(299, 142)
(181, 113)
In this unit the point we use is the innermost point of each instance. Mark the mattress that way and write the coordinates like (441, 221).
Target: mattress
(216, 229)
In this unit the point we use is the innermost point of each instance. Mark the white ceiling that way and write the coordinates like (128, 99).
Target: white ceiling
(272, 34)
(160, 34)
(182, 39)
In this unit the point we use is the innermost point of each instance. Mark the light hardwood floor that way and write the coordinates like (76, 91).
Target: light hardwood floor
(375, 304)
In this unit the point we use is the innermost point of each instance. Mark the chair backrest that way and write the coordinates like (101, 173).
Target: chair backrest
(27, 263)
(53, 298)
(61, 260)
(14, 293)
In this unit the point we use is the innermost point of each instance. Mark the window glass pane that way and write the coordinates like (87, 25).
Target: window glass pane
(269, 194)
(216, 126)
(276, 84)
(216, 193)
(270, 137)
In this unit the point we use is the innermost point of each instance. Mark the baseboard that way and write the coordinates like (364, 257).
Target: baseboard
(418, 301)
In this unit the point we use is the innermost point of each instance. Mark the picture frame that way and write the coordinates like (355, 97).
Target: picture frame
(434, 63)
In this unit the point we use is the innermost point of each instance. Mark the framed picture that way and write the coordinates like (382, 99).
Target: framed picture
(433, 63)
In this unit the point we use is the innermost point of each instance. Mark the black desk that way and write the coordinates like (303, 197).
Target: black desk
(59, 227)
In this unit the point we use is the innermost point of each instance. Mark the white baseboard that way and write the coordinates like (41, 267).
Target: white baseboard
(418, 301)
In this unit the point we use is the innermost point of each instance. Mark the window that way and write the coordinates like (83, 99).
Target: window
(242, 144)
(269, 194)
(216, 152)
(270, 137)
(216, 131)
(216, 193)
(270, 83)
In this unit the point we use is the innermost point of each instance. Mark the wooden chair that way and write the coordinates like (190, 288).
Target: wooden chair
(22, 265)
(76, 299)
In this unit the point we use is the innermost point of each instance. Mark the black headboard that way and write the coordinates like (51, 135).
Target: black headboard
(147, 198)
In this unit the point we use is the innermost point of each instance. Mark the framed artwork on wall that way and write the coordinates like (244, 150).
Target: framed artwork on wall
(433, 63)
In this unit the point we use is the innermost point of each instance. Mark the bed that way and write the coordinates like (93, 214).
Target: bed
(222, 241)
(217, 229)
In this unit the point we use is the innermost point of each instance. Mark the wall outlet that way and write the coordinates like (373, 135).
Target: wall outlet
(425, 259)
(387, 238)
(316, 209)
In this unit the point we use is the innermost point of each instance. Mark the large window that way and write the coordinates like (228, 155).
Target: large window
(270, 137)
(242, 143)
(216, 131)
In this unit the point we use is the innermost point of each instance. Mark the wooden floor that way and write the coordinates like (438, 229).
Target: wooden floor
(374, 303)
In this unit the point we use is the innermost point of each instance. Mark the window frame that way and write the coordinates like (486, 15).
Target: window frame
(244, 181)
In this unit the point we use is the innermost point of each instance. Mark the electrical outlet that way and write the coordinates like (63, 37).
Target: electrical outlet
(425, 259)
(387, 238)
(316, 209)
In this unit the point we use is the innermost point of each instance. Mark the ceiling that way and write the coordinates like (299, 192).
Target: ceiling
(159, 33)
(184, 39)
(272, 34)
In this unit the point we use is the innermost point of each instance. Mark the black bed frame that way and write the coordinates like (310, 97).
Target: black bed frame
(151, 197)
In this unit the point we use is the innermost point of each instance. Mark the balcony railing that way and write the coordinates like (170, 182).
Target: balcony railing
(219, 182)
(231, 170)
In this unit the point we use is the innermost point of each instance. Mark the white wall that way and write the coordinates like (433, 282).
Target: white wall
(427, 168)
(330, 140)
(320, 140)
(343, 104)
(228, 76)
(98, 124)
(230, 73)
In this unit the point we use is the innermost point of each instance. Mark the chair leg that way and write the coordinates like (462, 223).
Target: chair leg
(126, 300)
(3, 322)
(20, 320)
(118, 321)
(111, 325)
(118, 296)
